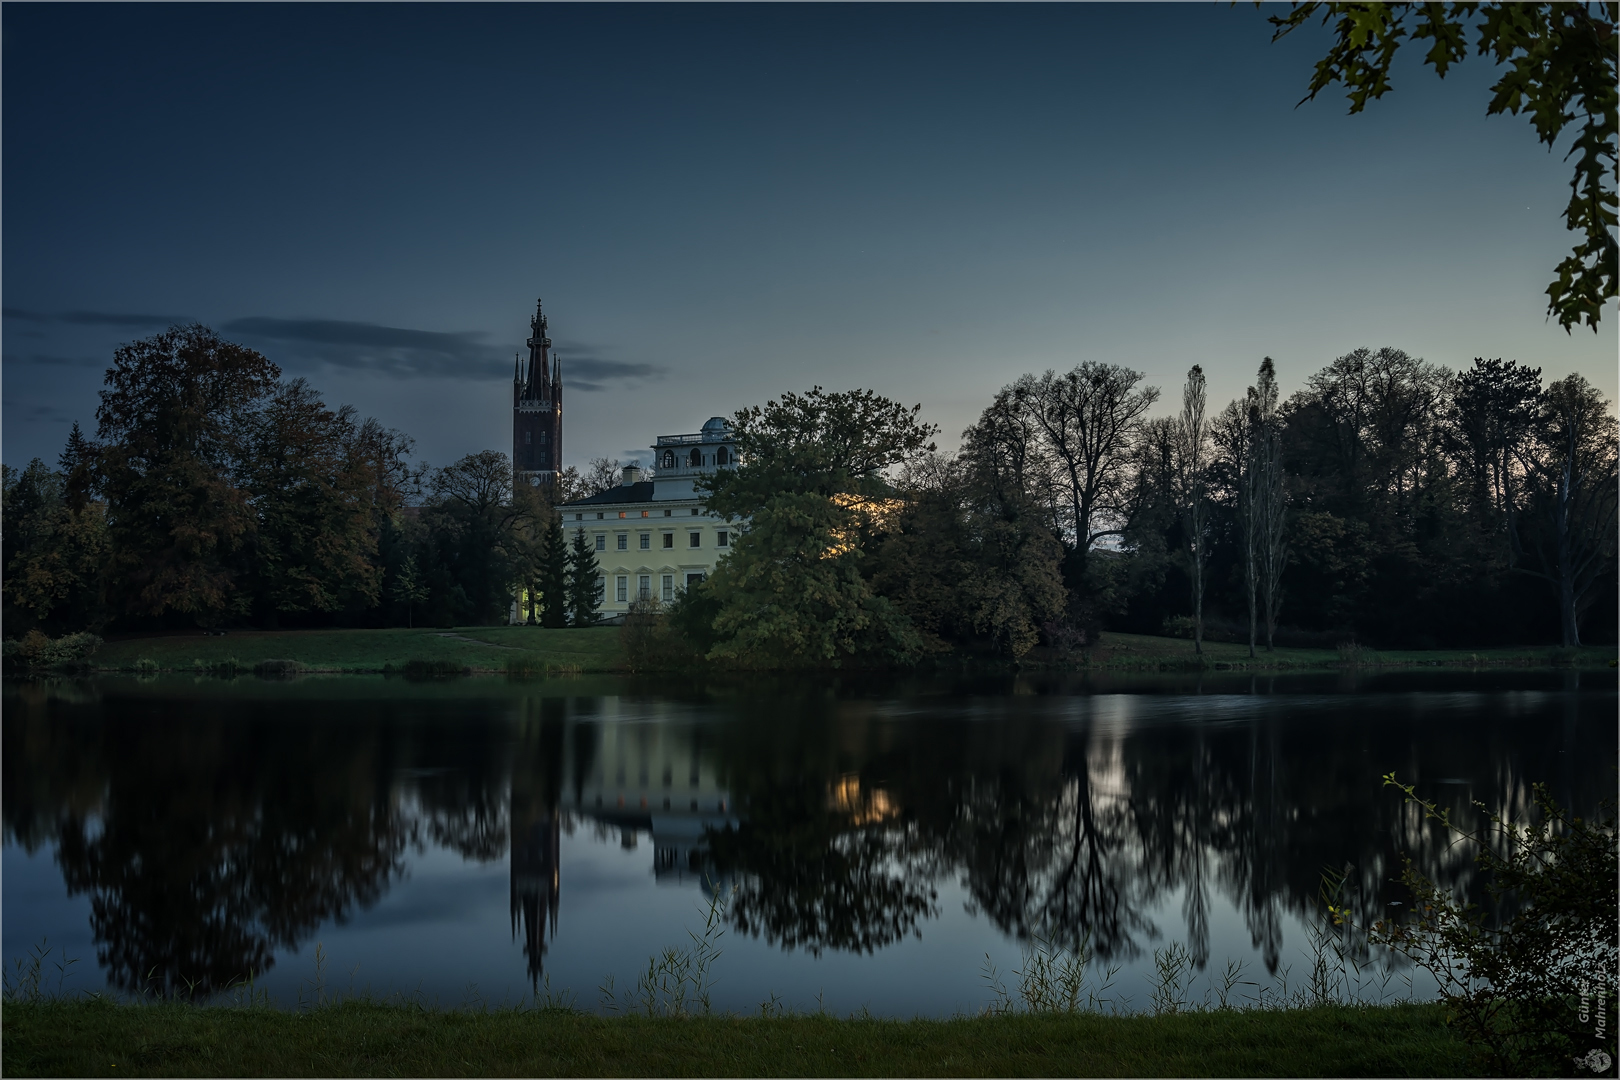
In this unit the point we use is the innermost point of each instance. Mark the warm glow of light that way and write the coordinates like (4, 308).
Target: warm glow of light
(846, 797)
(879, 514)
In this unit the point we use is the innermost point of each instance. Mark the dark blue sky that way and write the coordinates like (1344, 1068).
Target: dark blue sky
(719, 204)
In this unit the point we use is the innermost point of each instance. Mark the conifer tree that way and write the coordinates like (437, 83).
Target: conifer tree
(554, 576)
(584, 582)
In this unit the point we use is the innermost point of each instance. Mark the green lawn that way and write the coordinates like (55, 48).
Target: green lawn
(480, 648)
(76, 1038)
(596, 649)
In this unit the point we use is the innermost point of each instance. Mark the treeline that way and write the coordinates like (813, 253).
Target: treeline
(1389, 502)
(215, 493)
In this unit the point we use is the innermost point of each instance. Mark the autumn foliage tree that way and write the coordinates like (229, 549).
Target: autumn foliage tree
(174, 431)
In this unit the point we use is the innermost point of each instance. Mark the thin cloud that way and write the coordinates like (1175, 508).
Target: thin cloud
(52, 360)
(371, 347)
(585, 370)
(133, 320)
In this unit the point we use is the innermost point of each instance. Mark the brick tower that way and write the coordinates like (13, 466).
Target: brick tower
(537, 410)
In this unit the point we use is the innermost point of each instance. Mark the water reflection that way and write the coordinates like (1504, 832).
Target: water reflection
(215, 825)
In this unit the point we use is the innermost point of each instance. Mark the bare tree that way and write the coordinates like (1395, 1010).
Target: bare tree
(1573, 475)
(1271, 503)
(1088, 419)
(1194, 446)
(1250, 515)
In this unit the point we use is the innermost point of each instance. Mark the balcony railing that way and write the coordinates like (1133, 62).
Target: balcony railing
(684, 440)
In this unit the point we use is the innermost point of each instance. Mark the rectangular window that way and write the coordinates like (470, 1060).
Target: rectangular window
(722, 538)
(621, 589)
(669, 587)
(644, 587)
(601, 541)
(669, 513)
(579, 517)
(693, 579)
(646, 541)
(694, 539)
(624, 541)
(669, 540)
(696, 511)
(601, 589)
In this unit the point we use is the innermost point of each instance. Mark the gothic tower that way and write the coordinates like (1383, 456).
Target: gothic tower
(537, 410)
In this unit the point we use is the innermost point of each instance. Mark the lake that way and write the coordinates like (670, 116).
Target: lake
(872, 844)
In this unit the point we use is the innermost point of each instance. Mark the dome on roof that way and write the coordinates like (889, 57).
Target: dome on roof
(716, 426)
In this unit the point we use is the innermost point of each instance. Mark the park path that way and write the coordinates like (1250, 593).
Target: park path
(475, 641)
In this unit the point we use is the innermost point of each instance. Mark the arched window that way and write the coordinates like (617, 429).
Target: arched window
(721, 457)
(695, 458)
(668, 461)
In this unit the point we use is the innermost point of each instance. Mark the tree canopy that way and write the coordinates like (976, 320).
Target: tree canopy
(1561, 71)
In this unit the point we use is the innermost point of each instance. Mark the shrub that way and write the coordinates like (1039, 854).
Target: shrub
(1536, 992)
(277, 669)
(36, 653)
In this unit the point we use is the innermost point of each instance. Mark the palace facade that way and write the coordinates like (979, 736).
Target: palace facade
(652, 536)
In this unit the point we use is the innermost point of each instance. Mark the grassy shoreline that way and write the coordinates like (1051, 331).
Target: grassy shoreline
(100, 1038)
(596, 650)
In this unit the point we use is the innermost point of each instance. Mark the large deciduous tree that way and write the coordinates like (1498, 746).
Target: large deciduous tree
(814, 486)
(1570, 534)
(1561, 70)
(1088, 419)
(319, 491)
(173, 430)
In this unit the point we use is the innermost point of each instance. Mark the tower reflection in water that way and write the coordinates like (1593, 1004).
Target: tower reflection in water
(637, 779)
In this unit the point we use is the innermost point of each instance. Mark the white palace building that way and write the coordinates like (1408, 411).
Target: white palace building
(652, 537)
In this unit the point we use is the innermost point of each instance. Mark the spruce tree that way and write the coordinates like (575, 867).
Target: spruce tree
(554, 576)
(584, 582)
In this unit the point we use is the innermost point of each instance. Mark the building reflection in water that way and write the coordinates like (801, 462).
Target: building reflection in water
(212, 827)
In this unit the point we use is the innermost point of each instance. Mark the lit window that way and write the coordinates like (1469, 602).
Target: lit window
(644, 587)
(646, 541)
(669, 540)
(722, 538)
(694, 539)
(624, 542)
(621, 589)
(669, 587)
(601, 541)
(646, 513)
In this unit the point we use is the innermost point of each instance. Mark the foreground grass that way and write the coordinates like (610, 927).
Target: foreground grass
(98, 1038)
(481, 648)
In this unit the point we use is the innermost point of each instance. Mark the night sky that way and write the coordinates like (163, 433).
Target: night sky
(719, 204)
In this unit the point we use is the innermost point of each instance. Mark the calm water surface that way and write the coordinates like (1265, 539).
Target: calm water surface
(874, 842)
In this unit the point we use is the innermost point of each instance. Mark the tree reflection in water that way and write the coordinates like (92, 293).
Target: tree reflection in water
(213, 828)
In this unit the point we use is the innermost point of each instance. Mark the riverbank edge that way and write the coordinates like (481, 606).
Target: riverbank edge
(96, 1037)
(532, 651)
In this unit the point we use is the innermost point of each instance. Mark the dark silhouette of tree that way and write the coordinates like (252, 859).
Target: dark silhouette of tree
(1560, 61)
